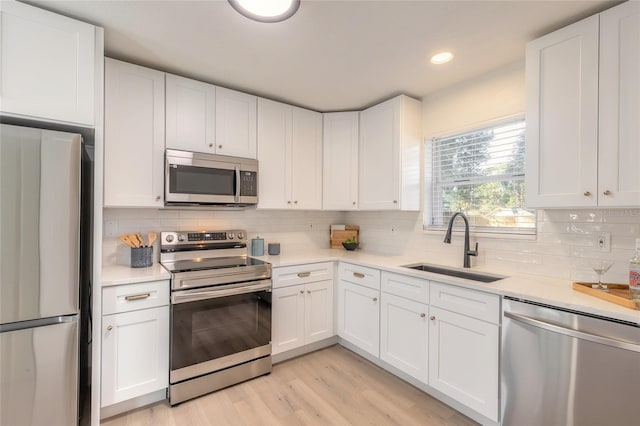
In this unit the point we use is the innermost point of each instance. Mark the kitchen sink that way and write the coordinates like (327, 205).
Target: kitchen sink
(451, 272)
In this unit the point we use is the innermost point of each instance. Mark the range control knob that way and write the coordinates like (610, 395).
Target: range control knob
(230, 235)
(169, 238)
(180, 237)
(240, 236)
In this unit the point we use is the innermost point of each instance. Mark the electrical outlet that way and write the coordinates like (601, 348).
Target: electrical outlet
(603, 241)
(110, 228)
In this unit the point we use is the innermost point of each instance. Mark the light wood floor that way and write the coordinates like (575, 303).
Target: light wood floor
(332, 386)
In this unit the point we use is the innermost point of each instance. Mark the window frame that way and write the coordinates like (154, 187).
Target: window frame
(428, 180)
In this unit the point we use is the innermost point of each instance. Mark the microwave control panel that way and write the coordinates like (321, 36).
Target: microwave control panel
(248, 184)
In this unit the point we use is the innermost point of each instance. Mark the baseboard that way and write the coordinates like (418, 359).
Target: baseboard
(132, 404)
(283, 356)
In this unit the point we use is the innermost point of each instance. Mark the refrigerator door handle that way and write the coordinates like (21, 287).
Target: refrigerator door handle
(40, 322)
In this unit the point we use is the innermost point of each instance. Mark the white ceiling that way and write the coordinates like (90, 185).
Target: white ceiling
(332, 55)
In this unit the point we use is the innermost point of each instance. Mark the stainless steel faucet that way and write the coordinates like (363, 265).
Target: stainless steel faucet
(467, 252)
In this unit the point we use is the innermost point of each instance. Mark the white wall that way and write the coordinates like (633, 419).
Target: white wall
(489, 97)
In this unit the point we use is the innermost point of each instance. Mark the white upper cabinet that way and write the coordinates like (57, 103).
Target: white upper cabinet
(235, 123)
(289, 156)
(48, 65)
(204, 118)
(133, 136)
(583, 104)
(390, 155)
(340, 156)
(619, 124)
(190, 115)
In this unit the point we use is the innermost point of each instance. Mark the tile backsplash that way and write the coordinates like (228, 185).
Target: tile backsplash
(562, 249)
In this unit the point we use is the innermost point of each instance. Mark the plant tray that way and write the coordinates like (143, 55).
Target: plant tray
(618, 293)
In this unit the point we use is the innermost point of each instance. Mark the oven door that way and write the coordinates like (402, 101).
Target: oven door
(218, 327)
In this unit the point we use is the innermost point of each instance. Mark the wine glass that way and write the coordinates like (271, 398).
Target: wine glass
(600, 267)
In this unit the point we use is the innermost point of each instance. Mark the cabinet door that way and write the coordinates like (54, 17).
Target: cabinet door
(562, 117)
(287, 307)
(191, 115)
(135, 354)
(235, 123)
(340, 161)
(133, 136)
(359, 316)
(379, 160)
(306, 159)
(619, 125)
(48, 65)
(318, 311)
(404, 335)
(463, 360)
(274, 154)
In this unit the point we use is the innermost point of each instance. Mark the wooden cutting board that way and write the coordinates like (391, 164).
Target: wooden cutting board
(618, 293)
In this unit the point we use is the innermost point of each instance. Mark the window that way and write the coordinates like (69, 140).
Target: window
(481, 173)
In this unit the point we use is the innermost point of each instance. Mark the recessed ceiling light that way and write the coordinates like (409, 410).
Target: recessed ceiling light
(441, 58)
(266, 10)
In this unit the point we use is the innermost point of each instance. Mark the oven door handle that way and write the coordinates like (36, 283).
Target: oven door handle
(224, 291)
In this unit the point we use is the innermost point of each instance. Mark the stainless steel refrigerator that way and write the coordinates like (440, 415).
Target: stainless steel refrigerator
(39, 276)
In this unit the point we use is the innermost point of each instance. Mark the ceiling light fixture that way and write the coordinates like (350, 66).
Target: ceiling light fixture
(266, 10)
(441, 58)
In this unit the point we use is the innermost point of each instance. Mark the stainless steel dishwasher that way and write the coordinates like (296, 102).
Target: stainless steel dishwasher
(560, 367)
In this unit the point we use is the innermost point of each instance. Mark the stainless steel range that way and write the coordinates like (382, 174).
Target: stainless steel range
(220, 311)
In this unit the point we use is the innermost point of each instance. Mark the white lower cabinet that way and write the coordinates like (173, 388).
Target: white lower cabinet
(302, 311)
(135, 341)
(464, 360)
(404, 335)
(359, 316)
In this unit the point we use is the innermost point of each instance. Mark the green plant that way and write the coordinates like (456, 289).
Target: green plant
(350, 241)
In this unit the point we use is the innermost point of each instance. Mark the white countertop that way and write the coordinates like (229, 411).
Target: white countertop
(556, 292)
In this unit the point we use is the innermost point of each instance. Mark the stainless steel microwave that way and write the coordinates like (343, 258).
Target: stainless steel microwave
(193, 178)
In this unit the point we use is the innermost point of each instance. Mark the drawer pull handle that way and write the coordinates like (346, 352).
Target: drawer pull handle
(110, 328)
(303, 274)
(358, 275)
(422, 315)
(137, 296)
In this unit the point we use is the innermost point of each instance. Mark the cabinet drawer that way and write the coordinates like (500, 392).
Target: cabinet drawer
(411, 288)
(471, 303)
(362, 275)
(131, 297)
(301, 274)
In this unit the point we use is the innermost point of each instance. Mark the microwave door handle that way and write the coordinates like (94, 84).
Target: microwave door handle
(237, 196)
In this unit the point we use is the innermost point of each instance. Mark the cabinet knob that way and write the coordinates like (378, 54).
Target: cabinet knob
(422, 315)
(308, 291)
(395, 201)
(110, 328)
(432, 317)
(375, 299)
(587, 193)
(158, 198)
(354, 203)
(210, 145)
(288, 202)
(606, 192)
(220, 146)
(295, 202)
(301, 291)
